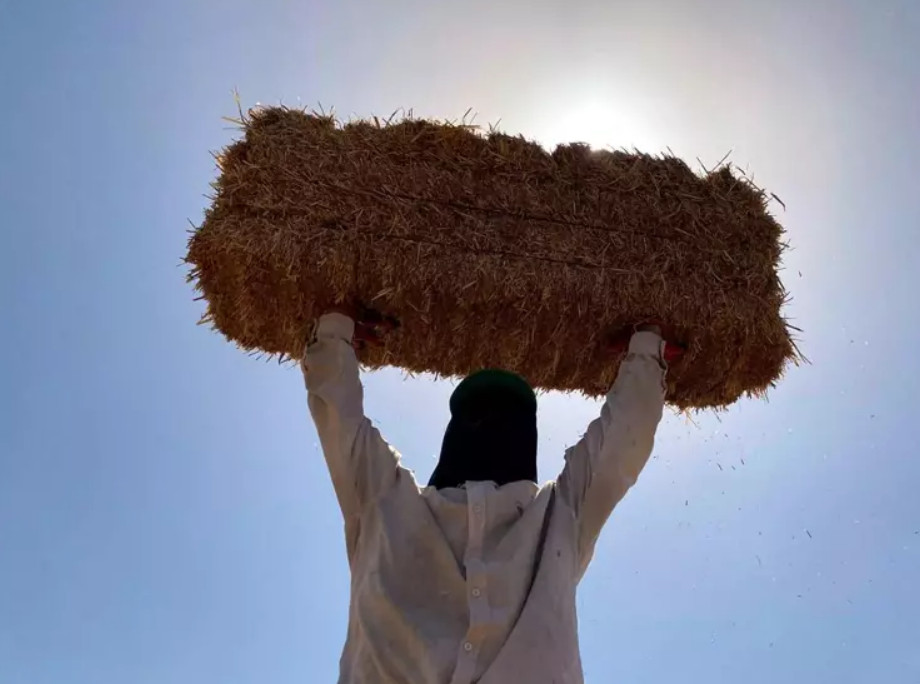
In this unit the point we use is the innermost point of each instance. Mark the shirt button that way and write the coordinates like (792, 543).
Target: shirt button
(477, 509)
(467, 646)
(477, 592)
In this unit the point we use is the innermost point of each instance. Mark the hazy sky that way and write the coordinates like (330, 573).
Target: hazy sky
(165, 513)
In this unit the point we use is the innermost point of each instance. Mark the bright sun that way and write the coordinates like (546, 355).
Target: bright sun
(600, 123)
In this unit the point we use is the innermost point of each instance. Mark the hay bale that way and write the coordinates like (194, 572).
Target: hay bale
(491, 252)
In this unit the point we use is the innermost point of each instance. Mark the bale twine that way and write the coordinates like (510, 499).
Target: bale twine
(491, 252)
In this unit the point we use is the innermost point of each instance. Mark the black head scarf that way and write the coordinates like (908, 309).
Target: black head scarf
(492, 434)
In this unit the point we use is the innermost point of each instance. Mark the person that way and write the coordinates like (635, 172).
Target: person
(472, 578)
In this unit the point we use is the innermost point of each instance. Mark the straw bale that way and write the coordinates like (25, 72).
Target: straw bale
(492, 252)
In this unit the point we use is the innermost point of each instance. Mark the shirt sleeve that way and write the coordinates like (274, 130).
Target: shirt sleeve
(607, 460)
(362, 465)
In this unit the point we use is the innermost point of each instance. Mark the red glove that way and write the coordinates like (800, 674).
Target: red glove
(673, 352)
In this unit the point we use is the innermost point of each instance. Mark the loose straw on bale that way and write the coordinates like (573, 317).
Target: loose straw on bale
(492, 252)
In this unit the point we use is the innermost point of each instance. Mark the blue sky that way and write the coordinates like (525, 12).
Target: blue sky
(165, 514)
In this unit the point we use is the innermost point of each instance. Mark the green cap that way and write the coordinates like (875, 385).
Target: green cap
(493, 381)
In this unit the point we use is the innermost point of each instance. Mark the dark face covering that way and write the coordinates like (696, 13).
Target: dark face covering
(492, 434)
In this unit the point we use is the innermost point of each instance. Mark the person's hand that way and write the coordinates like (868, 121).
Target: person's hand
(370, 325)
(673, 350)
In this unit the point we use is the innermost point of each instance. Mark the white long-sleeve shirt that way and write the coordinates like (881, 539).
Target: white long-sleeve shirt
(475, 584)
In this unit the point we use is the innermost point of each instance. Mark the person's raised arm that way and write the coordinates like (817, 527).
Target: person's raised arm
(607, 460)
(362, 465)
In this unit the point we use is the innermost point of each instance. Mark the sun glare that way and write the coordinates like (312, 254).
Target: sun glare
(600, 123)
